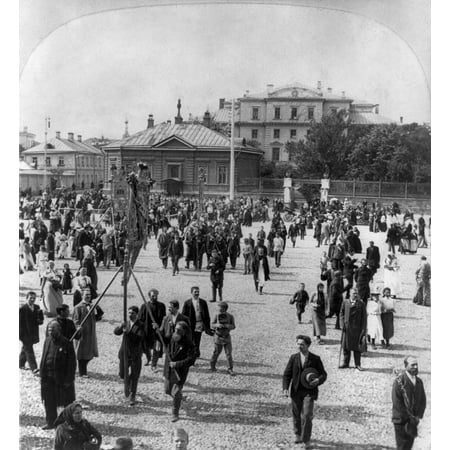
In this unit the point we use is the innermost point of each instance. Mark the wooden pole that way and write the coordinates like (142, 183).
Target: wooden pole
(232, 162)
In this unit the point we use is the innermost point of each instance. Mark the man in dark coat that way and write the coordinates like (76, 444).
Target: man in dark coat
(30, 317)
(303, 397)
(199, 244)
(133, 331)
(57, 372)
(68, 328)
(336, 291)
(197, 310)
(260, 259)
(234, 248)
(169, 322)
(408, 403)
(363, 276)
(179, 357)
(353, 318)
(216, 266)
(373, 257)
(151, 342)
(348, 271)
(163, 246)
(391, 238)
(176, 251)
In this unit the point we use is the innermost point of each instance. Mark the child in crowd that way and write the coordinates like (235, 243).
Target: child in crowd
(67, 279)
(247, 252)
(300, 299)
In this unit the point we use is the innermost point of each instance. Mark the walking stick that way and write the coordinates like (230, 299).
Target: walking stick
(158, 332)
(96, 303)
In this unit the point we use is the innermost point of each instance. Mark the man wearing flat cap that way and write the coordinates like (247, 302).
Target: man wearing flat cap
(303, 374)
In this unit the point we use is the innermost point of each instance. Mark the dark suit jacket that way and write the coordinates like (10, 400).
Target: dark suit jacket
(373, 256)
(159, 311)
(293, 371)
(29, 321)
(416, 397)
(167, 327)
(133, 338)
(176, 249)
(189, 311)
(183, 354)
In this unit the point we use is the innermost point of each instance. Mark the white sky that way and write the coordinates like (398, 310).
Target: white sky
(90, 74)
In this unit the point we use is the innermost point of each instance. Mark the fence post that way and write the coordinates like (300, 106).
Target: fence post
(406, 190)
(354, 188)
(379, 189)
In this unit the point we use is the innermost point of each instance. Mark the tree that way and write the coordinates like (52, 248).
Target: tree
(325, 148)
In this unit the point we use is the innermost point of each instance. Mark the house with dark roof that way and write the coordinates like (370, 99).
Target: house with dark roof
(176, 153)
(64, 163)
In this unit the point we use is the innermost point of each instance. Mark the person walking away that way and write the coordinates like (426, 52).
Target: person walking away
(152, 347)
(222, 324)
(180, 357)
(300, 299)
(408, 404)
(216, 266)
(293, 233)
(30, 318)
(278, 244)
(318, 316)
(197, 310)
(354, 322)
(387, 317)
(57, 373)
(302, 376)
(133, 331)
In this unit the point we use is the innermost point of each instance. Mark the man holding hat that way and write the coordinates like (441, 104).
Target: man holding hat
(303, 374)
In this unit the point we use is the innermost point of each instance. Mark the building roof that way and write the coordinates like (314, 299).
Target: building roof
(60, 145)
(194, 135)
(369, 118)
(24, 166)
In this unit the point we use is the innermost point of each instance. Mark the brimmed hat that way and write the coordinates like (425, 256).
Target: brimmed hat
(308, 375)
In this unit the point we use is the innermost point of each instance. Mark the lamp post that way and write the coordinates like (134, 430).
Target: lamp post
(47, 125)
(232, 152)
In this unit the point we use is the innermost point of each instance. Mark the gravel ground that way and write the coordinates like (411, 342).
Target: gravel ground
(246, 411)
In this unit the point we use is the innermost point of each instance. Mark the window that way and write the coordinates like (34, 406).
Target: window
(82, 161)
(204, 170)
(255, 113)
(222, 174)
(173, 170)
(48, 161)
(34, 161)
(61, 161)
(254, 134)
(293, 113)
(277, 113)
(275, 154)
(310, 113)
(276, 133)
(293, 134)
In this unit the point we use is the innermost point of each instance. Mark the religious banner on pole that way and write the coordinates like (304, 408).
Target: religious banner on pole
(119, 190)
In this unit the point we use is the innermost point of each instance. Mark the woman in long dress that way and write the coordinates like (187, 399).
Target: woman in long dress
(374, 325)
(318, 313)
(387, 316)
(392, 275)
(51, 291)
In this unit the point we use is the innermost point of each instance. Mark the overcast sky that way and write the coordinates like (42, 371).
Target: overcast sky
(94, 72)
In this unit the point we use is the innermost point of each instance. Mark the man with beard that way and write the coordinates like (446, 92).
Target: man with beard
(57, 372)
(197, 310)
(179, 357)
(133, 331)
(151, 342)
(408, 404)
(353, 318)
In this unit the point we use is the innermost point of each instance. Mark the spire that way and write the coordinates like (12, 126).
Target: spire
(178, 118)
(126, 134)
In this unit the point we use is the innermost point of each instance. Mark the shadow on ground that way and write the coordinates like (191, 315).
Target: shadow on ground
(323, 445)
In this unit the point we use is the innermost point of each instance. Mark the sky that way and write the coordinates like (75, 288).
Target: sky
(98, 70)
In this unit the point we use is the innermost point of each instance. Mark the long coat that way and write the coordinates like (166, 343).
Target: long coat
(86, 345)
(416, 397)
(29, 321)
(373, 256)
(158, 310)
(363, 276)
(255, 267)
(183, 354)
(176, 249)
(189, 311)
(163, 245)
(293, 371)
(353, 321)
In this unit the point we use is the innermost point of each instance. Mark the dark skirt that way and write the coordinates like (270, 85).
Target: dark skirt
(319, 322)
(53, 392)
(387, 319)
(66, 283)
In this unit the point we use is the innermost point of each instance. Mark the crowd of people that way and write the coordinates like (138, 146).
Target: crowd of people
(210, 235)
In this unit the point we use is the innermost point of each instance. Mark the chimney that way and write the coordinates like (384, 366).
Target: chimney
(70, 136)
(207, 119)
(79, 138)
(58, 135)
(319, 85)
(221, 103)
(178, 118)
(330, 90)
(343, 94)
(401, 119)
(269, 88)
(150, 121)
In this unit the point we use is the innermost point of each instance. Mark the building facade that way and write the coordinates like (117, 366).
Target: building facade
(66, 162)
(177, 153)
(26, 140)
(272, 118)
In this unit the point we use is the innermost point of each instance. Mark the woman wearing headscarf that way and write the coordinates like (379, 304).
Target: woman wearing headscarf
(392, 275)
(75, 433)
(318, 313)
(51, 290)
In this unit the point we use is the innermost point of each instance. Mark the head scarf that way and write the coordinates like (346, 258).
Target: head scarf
(67, 414)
